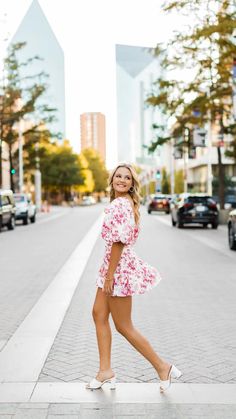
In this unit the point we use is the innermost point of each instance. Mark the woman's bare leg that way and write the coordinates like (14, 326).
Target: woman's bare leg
(120, 308)
(100, 314)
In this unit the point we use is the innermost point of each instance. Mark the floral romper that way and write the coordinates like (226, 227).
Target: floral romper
(132, 275)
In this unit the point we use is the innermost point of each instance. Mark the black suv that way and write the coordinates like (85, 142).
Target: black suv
(7, 209)
(194, 209)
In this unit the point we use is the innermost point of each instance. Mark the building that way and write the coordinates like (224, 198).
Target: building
(93, 132)
(136, 70)
(40, 40)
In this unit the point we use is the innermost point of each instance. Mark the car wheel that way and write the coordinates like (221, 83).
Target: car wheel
(167, 212)
(173, 222)
(11, 224)
(214, 225)
(0, 224)
(33, 219)
(232, 241)
(179, 223)
(204, 225)
(149, 211)
(26, 220)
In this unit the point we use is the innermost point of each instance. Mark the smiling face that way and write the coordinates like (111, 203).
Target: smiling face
(122, 181)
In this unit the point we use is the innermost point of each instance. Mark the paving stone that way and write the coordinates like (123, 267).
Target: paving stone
(66, 416)
(192, 332)
(129, 409)
(64, 408)
(96, 413)
(8, 408)
(31, 413)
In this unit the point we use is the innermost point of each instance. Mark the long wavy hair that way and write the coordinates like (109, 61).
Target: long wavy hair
(134, 193)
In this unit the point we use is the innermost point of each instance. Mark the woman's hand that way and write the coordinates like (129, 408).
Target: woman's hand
(108, 284)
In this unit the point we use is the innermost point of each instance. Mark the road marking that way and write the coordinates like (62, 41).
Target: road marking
(55, 392)
(25, 353)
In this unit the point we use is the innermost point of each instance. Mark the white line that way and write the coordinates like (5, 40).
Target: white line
(179, 393)
(23, 357)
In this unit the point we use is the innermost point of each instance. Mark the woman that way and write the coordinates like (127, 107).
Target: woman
(122, 275)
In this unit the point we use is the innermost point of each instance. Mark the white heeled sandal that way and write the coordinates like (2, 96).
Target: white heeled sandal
(95, 384)
(173, 373)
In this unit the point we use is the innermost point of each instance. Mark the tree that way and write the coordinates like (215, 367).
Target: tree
(61, 169)
(88, 185)
(207, 51)
(19, 98)
(98, 169)
(179, 181)
(165, 182)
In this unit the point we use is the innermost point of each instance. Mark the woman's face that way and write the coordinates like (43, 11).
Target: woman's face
(122, 181)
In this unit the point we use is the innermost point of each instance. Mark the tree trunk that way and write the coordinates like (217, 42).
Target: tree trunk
(221, 174)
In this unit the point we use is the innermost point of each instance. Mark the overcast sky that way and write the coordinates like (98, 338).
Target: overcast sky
(87, 31)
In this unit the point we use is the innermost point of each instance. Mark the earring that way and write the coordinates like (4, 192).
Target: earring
(131, 190)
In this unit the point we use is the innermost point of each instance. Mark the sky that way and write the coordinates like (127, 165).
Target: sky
(88, 31)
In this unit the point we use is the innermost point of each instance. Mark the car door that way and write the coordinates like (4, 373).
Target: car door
(6, 209)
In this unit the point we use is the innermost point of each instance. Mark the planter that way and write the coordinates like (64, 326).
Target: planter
(224, 215)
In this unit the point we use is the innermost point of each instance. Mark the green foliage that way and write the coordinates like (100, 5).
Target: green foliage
(20, 99)
(98, 169)
(179, 181)
(60, 167)
(88, 185)
(206, 50)
(165, 182)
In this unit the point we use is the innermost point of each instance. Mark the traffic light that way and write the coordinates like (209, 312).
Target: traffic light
(158, 174)
(13, 171)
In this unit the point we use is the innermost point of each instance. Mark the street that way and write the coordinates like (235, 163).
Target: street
(188, 317)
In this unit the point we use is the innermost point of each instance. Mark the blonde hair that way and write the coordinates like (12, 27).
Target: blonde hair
(135, 185)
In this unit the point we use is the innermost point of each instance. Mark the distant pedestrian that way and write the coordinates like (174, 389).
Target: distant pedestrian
(122, 275)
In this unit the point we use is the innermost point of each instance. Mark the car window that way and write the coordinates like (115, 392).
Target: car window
(19, 198)
(5, 200)
(197, 199)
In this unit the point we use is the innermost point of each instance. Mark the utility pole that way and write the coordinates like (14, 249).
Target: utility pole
(209, 154)
(185, 146)
(172, 167)
(38, 181)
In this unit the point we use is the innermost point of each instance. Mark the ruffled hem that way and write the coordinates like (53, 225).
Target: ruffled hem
(124, 292)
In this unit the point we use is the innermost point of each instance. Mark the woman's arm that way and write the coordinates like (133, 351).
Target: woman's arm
(115, 256)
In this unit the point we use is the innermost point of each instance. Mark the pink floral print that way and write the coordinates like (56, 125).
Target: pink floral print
(132, 275)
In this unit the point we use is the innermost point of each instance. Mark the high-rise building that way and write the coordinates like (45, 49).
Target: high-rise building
(136, 70)
(93, 132)
(41, 41)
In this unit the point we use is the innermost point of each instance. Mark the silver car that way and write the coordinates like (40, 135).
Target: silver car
(25, 208)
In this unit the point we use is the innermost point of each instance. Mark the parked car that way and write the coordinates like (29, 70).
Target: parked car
(158, 203)
(7, 209)
(230, 201)
(232, 229)
(88, 200)
(25, 208)
(194, 209)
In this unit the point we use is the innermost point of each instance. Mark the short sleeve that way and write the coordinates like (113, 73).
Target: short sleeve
(121, 221)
